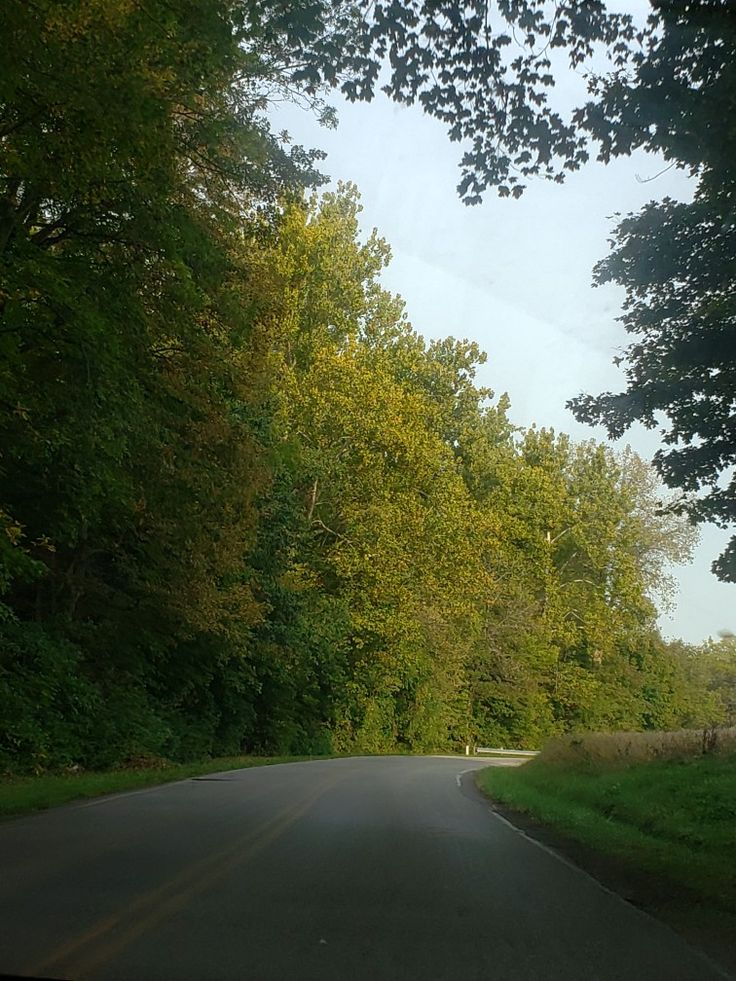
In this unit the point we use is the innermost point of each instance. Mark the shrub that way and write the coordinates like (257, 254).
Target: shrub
(48, 706)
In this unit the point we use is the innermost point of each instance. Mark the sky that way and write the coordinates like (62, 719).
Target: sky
(514, 276)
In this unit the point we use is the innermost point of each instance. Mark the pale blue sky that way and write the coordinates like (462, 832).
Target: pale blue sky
(515, 276)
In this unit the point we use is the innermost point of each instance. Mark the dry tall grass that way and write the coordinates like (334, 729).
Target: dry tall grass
(638, 747)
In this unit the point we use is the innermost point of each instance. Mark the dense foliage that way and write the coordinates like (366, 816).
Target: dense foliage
(243, 504)
(487, 71)
(324, 536)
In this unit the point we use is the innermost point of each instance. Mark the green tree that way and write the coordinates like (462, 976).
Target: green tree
(244, 504)
(131, 373)
(485, 71)
(579, 555)
(711, 672)
(482, 69)
(385, 527)
(675, 262)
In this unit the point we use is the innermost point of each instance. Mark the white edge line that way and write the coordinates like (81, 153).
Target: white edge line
(553, 853)
(459, 776)
(611, 892)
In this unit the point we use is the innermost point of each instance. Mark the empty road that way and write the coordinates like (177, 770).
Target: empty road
(339, 870)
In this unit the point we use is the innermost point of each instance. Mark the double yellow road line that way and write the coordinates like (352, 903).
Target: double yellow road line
(81, 956)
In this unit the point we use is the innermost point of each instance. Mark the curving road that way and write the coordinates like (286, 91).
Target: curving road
(342, 870)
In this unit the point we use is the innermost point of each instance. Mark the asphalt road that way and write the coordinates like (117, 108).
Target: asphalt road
(352, 869)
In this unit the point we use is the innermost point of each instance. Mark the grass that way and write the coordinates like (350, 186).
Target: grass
(23, 795)
(672, 819)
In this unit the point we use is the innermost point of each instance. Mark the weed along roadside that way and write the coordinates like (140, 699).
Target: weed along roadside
(652, 815)
(26, 794)
(21, 795)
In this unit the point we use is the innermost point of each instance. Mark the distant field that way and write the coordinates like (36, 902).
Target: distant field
(624, 748)
(674, 818)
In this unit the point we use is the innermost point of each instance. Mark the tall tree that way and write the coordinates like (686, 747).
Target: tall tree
(578, 555)
(665, 86)
(134, 155)
(385, 530)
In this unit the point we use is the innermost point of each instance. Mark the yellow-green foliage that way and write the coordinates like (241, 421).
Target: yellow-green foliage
(637, 747)
(244, 506)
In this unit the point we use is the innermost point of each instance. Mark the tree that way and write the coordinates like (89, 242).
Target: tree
(675, 260)
(578, 555)
(136, 171)
(243, 503)
(484, 70)
(381, 533)
(120, 249)
(711, 671)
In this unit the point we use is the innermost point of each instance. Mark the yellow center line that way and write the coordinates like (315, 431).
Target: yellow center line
(37, 868)
(109, 936)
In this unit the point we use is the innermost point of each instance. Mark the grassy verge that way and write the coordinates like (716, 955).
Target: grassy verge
(675, 819)
(22, 795)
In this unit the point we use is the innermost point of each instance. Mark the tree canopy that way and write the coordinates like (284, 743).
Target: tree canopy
(321, 535)
(481, 68)
(487, 71)
(244, 505)
(675, 260)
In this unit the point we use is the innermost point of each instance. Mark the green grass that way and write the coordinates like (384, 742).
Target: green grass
(673, 819)
(22, 795)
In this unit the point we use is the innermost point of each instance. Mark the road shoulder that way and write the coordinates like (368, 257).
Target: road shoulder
(707, 928)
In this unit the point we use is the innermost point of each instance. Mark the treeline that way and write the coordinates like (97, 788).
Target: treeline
(244, 506)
